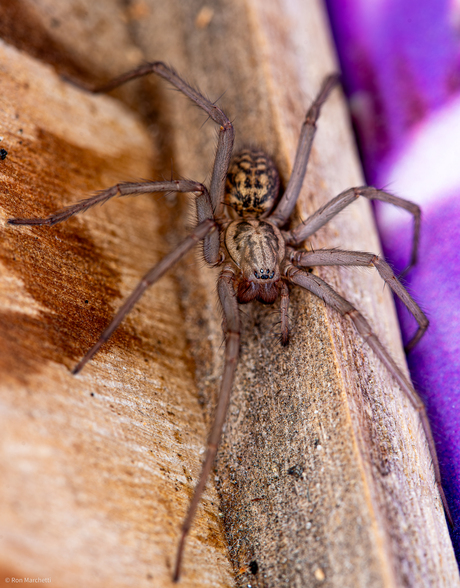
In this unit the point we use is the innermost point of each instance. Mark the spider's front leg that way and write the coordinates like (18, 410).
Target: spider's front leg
(229, 305)
(319, 288)
(284, 306)
(148, 280)
(325, 257)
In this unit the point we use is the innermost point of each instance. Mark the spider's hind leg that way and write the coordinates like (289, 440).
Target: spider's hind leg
(344, 199)
(226, 132)
(288, 201)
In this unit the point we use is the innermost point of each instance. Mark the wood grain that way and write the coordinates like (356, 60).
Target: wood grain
(97, 470)
(324, 474)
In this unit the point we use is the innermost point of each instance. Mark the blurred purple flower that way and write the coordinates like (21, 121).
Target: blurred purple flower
(401, 61)
(401, 71)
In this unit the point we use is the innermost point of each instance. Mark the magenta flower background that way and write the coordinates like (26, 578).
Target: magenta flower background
(400, 61)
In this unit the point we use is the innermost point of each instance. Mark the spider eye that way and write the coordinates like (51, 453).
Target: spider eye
(264, 274)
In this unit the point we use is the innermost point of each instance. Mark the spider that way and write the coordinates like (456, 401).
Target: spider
(243, 226)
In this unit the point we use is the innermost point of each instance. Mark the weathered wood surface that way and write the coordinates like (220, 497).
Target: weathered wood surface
(324, 474)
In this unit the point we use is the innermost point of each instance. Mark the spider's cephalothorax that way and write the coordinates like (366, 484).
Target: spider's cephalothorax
(258, 259)
(257, 249)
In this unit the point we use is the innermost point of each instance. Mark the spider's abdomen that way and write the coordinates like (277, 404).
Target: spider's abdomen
(252, 184)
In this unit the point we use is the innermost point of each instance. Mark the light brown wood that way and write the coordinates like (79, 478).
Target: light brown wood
(324, 474)
(97, 470)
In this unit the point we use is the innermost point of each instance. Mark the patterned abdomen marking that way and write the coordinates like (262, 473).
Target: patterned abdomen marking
(252, 184)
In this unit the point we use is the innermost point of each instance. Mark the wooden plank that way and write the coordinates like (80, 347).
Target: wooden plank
(96, 469)
(324, 474)
(361, 489)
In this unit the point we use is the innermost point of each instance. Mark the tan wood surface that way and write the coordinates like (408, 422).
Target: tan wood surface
(324, 474)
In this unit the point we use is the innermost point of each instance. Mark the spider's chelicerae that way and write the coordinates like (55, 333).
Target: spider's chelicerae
(242, 224)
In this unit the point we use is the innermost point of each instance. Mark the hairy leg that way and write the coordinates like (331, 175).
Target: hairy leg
(318, 287)
(287, 203)
(232, 342)
(224, 144)
(305, 258)
(124, 189)
(284, 305)
(150, 278)
(334, 206)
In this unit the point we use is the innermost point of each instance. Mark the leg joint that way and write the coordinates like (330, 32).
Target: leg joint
(290, 271)
(312, 116)
(375, 259)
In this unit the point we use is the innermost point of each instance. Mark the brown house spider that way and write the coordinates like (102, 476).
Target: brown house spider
(240, 222)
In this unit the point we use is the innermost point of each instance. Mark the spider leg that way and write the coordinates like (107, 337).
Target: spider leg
(288, 201)
(334, 206)
(305, 258)
(232, 342)
(318, 287)
(224, 144)
(284, 305)
(124, 189)
(150, 278)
